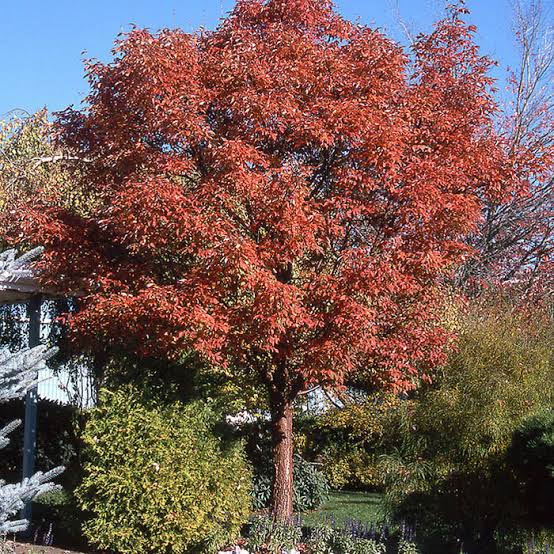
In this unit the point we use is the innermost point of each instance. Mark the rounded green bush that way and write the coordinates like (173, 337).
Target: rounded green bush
(531, 457)
(157, 478)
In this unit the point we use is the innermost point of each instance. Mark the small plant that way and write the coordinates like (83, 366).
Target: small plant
(345, 543)
(320, 539)
(407, 543)
(353, 538)
(272, 537)
(407, 547)
(266, 536)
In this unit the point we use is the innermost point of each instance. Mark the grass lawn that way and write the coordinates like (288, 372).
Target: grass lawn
(365, 507)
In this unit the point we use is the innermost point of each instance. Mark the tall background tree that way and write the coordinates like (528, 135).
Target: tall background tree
(32, 163)
(514, 244)
(282, 196)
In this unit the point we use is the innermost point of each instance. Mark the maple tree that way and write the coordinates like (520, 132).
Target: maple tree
(282, 195)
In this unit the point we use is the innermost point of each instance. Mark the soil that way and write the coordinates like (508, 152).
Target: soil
(37, 549)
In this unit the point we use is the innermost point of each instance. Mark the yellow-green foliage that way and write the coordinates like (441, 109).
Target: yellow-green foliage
(501, 371)
(460, 427)
(363, 419)
(31, 162)
(356, 469)
(159, 480)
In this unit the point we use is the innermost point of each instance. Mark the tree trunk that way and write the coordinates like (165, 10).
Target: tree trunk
(282, 439)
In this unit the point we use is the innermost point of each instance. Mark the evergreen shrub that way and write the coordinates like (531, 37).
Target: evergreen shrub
(531, 457)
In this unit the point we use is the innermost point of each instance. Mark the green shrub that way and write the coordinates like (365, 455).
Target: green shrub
(531, 456)
(343, 543)
(310, 486)
(320, 539)
(157, 478)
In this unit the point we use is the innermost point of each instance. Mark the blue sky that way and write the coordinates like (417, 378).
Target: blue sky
(42, 41)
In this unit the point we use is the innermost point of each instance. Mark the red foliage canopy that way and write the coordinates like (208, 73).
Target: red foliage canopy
(283, 192)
